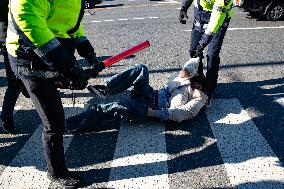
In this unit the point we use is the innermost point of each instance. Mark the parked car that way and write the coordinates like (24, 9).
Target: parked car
(268, 9)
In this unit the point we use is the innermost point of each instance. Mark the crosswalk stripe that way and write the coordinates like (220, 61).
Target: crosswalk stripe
(140, 159)
(248, 158)
(28, 168)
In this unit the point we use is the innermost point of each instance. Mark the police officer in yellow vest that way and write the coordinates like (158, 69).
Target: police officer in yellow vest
(211, 20)
(41, 41)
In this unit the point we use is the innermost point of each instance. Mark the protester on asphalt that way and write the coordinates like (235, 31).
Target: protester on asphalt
(41, 40)
(211, 21)
(15, 86)
(179, 100)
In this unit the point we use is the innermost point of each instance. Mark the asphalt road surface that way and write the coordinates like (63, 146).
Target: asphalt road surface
(236, 143)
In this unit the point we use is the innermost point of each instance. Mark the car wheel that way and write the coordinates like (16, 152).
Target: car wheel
(275, 12)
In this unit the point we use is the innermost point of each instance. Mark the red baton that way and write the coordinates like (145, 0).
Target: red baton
(112, 60)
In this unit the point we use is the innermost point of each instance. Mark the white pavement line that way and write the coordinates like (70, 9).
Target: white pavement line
(248, 158)
(169, 2)
(96, 21)
(28, 168)
(123, 19)
(256, 28)
(138, 18)
(153, 17)
(140, 159)
(108, 20)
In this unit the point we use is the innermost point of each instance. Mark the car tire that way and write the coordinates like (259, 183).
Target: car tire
(275, 12)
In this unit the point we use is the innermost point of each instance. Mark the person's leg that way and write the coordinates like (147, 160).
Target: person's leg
(11, 95)
(98, 113)
(196, 35)
(48, 104)
(136, 76)
(213, 59)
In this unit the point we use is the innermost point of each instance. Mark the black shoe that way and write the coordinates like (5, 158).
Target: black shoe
(8, 124)
(100, 90)
(68, 180)
(210, 100)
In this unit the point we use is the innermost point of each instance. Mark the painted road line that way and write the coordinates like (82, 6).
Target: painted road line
(256, 28)
(248, 158)
(169, 2)
(138, 18)
(140, 159)
(108, 20)
(123, 19)
(96, 21)
(28, 168)
(153, 17)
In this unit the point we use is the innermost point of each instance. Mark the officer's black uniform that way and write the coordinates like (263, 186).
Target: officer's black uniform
(13, 89)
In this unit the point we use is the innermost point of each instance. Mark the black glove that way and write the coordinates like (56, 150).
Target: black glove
(199, 51)
(79, 78)
(182, 16)
(95, 69)
(92, 59)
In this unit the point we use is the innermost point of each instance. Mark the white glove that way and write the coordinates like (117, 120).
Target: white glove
(192, 66)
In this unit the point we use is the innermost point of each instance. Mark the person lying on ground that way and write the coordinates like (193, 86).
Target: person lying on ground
(180, 100)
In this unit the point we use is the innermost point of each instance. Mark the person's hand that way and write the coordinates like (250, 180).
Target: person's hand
(199, 52)
(182, 16)
(92, 59)
(79, 78)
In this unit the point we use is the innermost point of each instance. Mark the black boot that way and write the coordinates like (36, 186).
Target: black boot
(8, 124)
(67, 180)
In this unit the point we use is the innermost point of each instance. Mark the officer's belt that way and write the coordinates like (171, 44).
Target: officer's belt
(204, 26)
(36, 73)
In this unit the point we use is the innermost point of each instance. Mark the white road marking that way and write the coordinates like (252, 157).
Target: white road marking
(124, 19)
(256, 28)
(247, 156)
(28, 168)
(169, 2)
(140, 159)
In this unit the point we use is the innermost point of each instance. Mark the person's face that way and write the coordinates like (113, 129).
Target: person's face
(196, 85)
(184, 73)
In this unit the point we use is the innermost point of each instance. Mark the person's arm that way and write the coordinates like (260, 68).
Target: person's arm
(183, 11)
(190, 109)
(220, 10)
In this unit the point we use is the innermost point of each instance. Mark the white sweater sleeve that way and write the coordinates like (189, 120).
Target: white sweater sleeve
(190, 109)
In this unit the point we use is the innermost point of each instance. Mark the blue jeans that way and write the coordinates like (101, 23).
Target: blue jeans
(214, 47)
(134, 107)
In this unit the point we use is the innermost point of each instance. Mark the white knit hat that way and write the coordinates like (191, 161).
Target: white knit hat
(192, 66)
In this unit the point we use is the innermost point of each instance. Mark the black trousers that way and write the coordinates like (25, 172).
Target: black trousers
(214, 47)
(13, 90)
(47, 102)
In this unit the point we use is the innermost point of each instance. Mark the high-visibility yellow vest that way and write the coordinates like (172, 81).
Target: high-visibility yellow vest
(41, 22)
